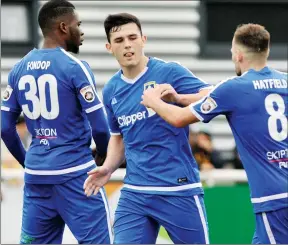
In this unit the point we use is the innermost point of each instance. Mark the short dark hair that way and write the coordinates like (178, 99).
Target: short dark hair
(253, 36)
(51, 11)
(114, 21)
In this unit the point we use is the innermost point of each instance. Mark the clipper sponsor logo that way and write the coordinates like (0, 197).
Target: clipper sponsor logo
(280, 157)
(131, 119)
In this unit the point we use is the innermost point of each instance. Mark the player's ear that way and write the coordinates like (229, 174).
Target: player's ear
(63, 27)
(144, 40)
(240, 56)
(237, 55)
(108, 47)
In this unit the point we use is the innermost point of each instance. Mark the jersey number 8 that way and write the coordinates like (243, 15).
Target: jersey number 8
(276, 115)
(39, 105)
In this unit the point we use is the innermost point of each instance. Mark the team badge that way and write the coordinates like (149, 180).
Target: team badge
(87, 93)
(7, 93)
(208, 105)
(149, 85)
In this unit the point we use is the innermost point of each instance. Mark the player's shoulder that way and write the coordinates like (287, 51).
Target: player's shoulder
(165, 64)
(19, 65)
(282, 74)
(228, 84)
(22, 61)
(170, 67)
(85, 63)
(74, 61)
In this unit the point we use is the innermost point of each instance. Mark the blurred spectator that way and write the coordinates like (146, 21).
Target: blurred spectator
(202, 148)
(235, 161)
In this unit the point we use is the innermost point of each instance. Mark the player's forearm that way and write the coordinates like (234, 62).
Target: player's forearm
(174, 115)
(115, 153)
(187, 99)
(100, 131)
(10, 136)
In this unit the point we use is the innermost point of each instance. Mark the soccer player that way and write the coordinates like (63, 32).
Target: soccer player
(162, 185)
(255, 105)
(57, 95)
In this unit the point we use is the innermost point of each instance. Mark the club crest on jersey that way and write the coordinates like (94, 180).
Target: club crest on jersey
(7, 93)
(87, 93)
(149, 85)
(208, 105)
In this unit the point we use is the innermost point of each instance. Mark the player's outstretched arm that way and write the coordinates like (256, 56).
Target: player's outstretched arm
(187, 99)
(10, 136)
(98, 177)
(176, 116)
(169, 94)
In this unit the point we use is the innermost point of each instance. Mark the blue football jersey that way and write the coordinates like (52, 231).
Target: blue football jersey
(255, 105)
(54, 90)
(158, 155)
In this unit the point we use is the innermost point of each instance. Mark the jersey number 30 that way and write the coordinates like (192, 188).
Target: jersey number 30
(276, 115)
(39, 105)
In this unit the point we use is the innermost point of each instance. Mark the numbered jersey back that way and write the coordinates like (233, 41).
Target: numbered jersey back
(54, 89)
(259, 124)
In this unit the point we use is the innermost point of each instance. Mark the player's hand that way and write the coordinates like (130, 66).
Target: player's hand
(151, 96)
(168, 93)
(97, 178)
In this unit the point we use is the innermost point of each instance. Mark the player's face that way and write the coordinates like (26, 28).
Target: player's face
(75, 36)
(235, 58)
(127, 44)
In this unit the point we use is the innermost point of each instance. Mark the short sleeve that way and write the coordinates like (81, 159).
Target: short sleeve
(112, 121)
(220, 101)
(9, 97)
(185, 82)
(84, 82)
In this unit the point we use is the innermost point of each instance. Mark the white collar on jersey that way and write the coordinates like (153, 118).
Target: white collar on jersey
(131, 81)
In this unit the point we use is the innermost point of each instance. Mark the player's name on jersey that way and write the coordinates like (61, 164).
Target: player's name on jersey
(270, 83)
(35, 65)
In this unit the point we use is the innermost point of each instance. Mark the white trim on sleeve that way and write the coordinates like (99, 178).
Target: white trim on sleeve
(5, 108)
(94, 108)
(195, 113)
(111, 133)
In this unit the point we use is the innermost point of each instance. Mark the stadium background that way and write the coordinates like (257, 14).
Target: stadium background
(197, 34)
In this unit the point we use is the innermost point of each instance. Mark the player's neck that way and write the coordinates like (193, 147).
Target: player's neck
(133, 72)
(53, 43)
(257, 66)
